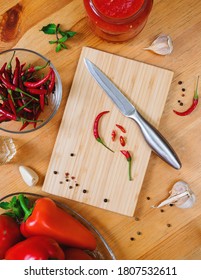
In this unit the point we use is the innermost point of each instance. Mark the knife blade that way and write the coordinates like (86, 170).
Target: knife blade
(152, 136)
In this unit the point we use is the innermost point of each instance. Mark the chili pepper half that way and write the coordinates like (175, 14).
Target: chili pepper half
(113, 134)
(193, 105)
(35, 248)
(121, 128)
(95, 129)
(122, 141)
(46, 218)
(129, 159)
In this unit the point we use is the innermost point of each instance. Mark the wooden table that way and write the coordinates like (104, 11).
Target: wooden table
(151, 234)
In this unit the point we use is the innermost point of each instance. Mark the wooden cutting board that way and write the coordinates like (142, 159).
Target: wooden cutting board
(82, 169)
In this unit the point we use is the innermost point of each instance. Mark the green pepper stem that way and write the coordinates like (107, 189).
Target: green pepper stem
(196, 89)
(23, 204)
(101, 141)
(129, 169)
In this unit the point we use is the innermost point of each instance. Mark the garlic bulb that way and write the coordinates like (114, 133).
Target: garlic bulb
(162, 45)
(29, 176)
(181, 196)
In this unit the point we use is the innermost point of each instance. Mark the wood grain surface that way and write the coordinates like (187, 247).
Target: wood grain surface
(101, 173)
(151, 233)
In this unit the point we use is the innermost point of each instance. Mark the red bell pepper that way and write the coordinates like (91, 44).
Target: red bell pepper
(9, 234)
(46, 218)
(76, 254)
(35, 248)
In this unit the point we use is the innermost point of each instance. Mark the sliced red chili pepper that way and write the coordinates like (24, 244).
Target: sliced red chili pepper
(193, 105)
(129, 159)
(113, 135)
(95, 129)
(122, 141)
(121, 128)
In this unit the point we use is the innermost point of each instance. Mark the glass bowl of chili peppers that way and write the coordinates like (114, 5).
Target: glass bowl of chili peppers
(30, 90)
(33, 216)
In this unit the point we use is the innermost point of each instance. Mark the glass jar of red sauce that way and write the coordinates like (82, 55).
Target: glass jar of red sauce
(117, 20)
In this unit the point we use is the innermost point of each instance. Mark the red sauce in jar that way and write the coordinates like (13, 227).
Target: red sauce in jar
(117, 20)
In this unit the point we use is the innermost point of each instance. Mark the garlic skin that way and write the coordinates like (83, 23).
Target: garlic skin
(162, 45)
(29, 176)
(181, 196)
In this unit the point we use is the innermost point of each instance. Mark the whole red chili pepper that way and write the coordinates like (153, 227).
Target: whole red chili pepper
(36, 91)
(22, 104)
(7, 114)
(52, 82)
(40, 82)
(32, 68)
(11, 103)
(16, 74)
(121, 128)
(129, 159)
(122, 141)
(14, 88)
(95, 129)
(193, 105)
(46, 218)
(35, 248)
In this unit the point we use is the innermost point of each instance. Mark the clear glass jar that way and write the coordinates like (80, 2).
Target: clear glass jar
(117, 20)
(7, 149)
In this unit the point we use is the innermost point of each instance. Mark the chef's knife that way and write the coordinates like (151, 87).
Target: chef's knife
(152, 136)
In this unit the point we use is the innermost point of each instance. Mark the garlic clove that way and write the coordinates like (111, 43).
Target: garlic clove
(162, 45)
(181, 196)
(188, 203)
(29, 176)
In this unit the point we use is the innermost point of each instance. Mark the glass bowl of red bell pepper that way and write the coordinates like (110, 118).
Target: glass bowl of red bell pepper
(30, 90)
(70, 235)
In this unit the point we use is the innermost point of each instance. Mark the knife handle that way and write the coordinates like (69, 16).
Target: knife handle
(156, 141)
